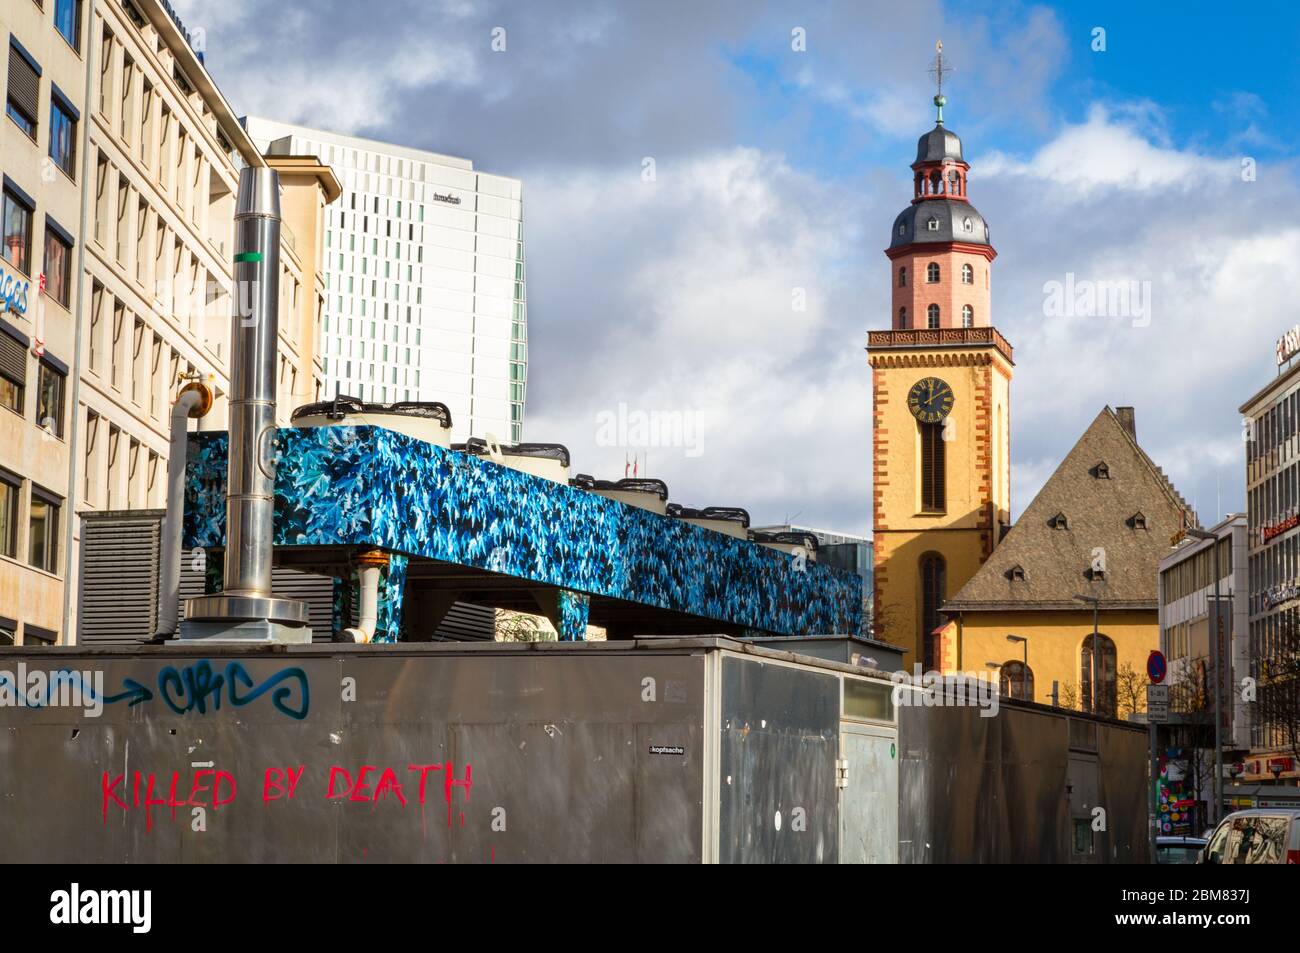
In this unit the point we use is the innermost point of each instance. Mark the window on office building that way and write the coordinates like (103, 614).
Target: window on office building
(126, 116)
(114, 497)
(58, 263)
(49, 410)
(105, 66)
(88, 474)
(67, 20)
(17, 248)
(115, 355)
(101, 198)
(9, 488)
(24, 87)
(43, 530)
(96, 326)
(13, 372)
(63, 134)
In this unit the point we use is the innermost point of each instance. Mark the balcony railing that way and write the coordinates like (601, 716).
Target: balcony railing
(938, 337)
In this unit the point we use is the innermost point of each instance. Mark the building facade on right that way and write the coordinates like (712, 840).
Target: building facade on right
(1271, 422)
(424, 273)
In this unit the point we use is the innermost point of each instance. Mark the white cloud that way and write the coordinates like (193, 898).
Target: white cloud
(698, 316)
(1105, 201)
(1108, 151)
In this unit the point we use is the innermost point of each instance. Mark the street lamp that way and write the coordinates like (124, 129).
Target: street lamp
(997, 667)
(1096, 666)
(1218, 676)
(1024, 672)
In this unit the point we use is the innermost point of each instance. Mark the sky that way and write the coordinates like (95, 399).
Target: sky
(709, 187)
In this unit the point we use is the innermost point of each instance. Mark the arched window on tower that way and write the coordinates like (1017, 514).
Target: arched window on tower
(902, 317)
(954, 182)
(936, 182)
(967, 275)
(967, 316)
(1106, 663)
(933, 592)
(932, 316)
(932, 272)
(902, 277)
(933, 468)
(1016, 680)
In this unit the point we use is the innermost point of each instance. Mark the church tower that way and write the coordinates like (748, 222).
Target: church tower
(941, 402)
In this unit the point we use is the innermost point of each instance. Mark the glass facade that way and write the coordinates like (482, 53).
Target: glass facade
(425, 280)
(1271, 424)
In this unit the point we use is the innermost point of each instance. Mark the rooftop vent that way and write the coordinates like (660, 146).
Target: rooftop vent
(731, 520)
(547, 460)
(643, 492)
(791, 541)
(424, 420)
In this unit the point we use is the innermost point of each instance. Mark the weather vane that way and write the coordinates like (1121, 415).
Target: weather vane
(937, 69)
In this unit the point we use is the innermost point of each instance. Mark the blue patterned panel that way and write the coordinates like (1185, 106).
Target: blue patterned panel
(367, 486)
(392, 590)
(574, 609)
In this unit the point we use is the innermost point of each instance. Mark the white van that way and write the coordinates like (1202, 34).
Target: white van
(1259, 836)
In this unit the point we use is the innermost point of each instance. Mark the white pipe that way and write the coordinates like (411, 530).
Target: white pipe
(369, 614)
(169, 589)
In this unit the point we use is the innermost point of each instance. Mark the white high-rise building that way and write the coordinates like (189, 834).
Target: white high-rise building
(424, 271)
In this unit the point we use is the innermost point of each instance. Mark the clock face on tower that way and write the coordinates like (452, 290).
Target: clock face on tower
(930, 400)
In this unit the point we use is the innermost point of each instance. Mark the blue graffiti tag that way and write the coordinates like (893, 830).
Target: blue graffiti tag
(198, 685)
(191, 688)
(134, 691)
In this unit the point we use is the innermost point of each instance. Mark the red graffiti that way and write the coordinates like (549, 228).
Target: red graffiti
(284, 783)
(202, 792)
(207, 787)
(342, 784)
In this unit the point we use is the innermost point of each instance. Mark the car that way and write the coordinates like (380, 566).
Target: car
(1179, 850)
(1258, 836)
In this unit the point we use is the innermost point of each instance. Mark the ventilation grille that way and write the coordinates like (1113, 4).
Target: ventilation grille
(119, 578)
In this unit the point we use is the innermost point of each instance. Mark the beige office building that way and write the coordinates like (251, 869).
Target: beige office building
(120, 160)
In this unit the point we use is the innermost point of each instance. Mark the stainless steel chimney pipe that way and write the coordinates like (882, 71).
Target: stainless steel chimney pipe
(250, 491)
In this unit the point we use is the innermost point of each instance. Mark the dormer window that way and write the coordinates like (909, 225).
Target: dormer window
(1137, 521)
(1016, 573)
(1095, 574)
(1059, 521)
(1101, 471)
(902, 228)
(932, 224)
(966, 224)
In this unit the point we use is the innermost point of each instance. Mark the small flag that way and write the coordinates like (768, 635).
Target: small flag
(38, 322)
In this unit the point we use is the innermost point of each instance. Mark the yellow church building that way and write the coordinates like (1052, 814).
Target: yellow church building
(1091, 539)
(955, 584)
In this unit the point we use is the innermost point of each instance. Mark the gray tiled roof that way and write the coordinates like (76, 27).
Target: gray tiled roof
(1099, 515)
(950, 215)
(938, 144)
